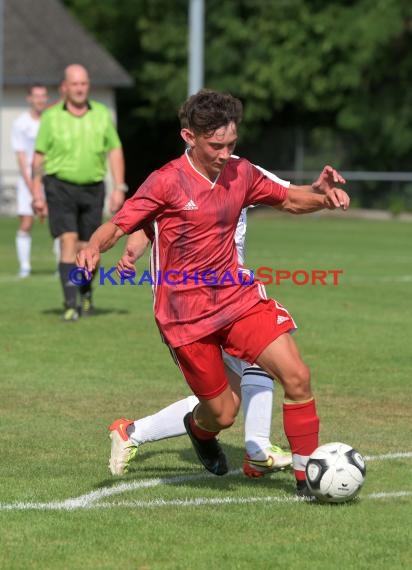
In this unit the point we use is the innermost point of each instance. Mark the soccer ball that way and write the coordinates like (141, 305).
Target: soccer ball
(335, 472)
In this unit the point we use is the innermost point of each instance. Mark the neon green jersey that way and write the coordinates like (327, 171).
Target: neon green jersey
(76, 148)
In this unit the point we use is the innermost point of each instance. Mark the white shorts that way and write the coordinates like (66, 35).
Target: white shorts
(234, 364)
(24, 199)
(241, 367)
(238, 366)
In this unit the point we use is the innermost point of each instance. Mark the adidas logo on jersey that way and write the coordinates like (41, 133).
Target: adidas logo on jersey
(281, 319)
(190, 206)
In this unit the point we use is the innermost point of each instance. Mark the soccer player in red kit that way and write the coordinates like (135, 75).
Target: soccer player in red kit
(200, 302)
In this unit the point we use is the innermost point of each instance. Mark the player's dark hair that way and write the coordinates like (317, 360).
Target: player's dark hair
(35, 86)
(209, 110)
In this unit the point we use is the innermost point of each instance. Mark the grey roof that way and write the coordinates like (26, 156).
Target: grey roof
(41, 38)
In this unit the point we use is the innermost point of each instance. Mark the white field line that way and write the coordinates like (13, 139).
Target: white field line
(91, 500)
(200, 501)
(396, 455)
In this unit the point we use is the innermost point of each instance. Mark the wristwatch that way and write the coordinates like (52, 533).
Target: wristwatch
(123, 187)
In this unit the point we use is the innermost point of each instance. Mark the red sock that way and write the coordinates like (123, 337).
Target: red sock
(301, 425)
(199, 432)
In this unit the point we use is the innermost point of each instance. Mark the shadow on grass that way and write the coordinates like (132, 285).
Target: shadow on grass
(97, 312)
(139, 469)
(41, 272)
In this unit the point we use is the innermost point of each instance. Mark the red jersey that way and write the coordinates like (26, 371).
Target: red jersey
(194, 259)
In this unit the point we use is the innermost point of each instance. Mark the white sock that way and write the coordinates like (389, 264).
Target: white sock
(168, 422)
(23, 246)
(257, 398)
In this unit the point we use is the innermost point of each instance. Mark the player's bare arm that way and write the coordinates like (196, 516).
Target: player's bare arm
(136, 245)
(103, 239)
(37, 174)
(303, 202)
(116, 161)
(39, 203)
(22, 163)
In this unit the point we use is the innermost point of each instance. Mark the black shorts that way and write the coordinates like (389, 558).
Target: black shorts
(74, 208)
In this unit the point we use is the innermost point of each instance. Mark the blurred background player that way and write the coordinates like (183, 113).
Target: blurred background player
(75, 137)
(23, 137)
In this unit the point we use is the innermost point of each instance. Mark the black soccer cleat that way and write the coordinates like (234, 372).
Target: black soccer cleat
(209, 451)
(303, 491)
(86, 307)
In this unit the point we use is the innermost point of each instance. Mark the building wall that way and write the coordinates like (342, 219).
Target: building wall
(13, 104)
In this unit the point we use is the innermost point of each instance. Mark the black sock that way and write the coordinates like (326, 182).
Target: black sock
(86, 289)
(69, 288)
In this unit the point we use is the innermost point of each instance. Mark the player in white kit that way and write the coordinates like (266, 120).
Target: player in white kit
(23, 137)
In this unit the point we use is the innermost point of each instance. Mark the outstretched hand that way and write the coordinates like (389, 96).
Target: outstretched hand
(325, 184)
(337, 198)
(126, 264)
(89, 258)
(116, 200)
(40, 208)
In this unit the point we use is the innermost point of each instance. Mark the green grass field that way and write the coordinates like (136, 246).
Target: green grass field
(62, 384)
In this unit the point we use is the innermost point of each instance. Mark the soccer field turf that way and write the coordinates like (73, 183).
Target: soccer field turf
(63, 383)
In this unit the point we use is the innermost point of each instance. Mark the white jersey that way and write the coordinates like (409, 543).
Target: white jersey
(23, 139)
(237, 366)
(240, 234)
(23, 135)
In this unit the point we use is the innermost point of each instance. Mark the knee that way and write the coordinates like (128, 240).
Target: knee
(218, 413)
(226, 418)
(225, 422)
(237, 402)
(26, 226)
(297, 383)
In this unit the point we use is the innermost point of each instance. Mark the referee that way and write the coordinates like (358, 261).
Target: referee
(75, 138)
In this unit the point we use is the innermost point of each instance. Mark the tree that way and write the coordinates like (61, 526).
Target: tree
(333, 69)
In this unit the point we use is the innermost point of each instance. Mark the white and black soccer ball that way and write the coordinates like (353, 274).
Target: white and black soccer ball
(335, 472)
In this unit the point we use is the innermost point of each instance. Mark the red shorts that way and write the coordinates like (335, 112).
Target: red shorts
(201, 361)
